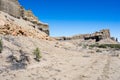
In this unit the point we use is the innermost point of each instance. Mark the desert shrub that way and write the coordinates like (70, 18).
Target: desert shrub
(91, 46)
(116, 46)
(37, 54)
(102, 46)
(1, 45)
(94, 45)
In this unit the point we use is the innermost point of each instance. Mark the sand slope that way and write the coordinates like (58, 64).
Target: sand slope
(59, 62)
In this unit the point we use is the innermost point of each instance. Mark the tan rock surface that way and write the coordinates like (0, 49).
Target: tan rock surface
(19, 27)
(13, 8)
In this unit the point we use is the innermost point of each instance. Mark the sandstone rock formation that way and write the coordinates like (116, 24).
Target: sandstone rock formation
(15, 30)
(102, 34)
(13, 8)
(10, 25)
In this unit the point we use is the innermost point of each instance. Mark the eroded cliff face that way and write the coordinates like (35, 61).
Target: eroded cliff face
(13, 8)
(28, 15)
(102, 34)
(10, 25)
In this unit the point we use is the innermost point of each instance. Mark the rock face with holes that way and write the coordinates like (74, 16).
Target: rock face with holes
(102, 34)
(13, 8)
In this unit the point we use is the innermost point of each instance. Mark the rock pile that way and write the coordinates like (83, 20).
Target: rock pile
(15, 30)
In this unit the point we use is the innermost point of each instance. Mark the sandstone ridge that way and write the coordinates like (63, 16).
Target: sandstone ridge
(13, 8)
(10, 25)
(102, 34)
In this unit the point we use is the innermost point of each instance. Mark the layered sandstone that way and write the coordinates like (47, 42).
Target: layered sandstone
(10, 28)
(10, 25)
(12, 7)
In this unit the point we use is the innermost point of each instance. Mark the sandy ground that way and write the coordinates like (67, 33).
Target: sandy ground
(60, 62)
(68, 60)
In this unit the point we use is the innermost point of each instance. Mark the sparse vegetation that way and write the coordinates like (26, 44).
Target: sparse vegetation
(116, 46)
(1, 45)
(94, 45)
(37, 54)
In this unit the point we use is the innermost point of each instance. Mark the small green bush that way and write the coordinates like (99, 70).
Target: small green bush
(37, 54)
(1, 45)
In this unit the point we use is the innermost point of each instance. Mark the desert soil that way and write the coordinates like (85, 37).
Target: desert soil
(60, 61)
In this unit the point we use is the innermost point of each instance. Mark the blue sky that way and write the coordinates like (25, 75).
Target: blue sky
(69, 17)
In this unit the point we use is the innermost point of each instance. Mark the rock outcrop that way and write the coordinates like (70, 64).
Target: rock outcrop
(10, 25)
(102, 34)
(13, 8)
(12, 29)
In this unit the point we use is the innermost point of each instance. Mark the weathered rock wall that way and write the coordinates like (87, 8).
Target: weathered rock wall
(102, 34)
(13, 8)
(105, 33)
(28, 15)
